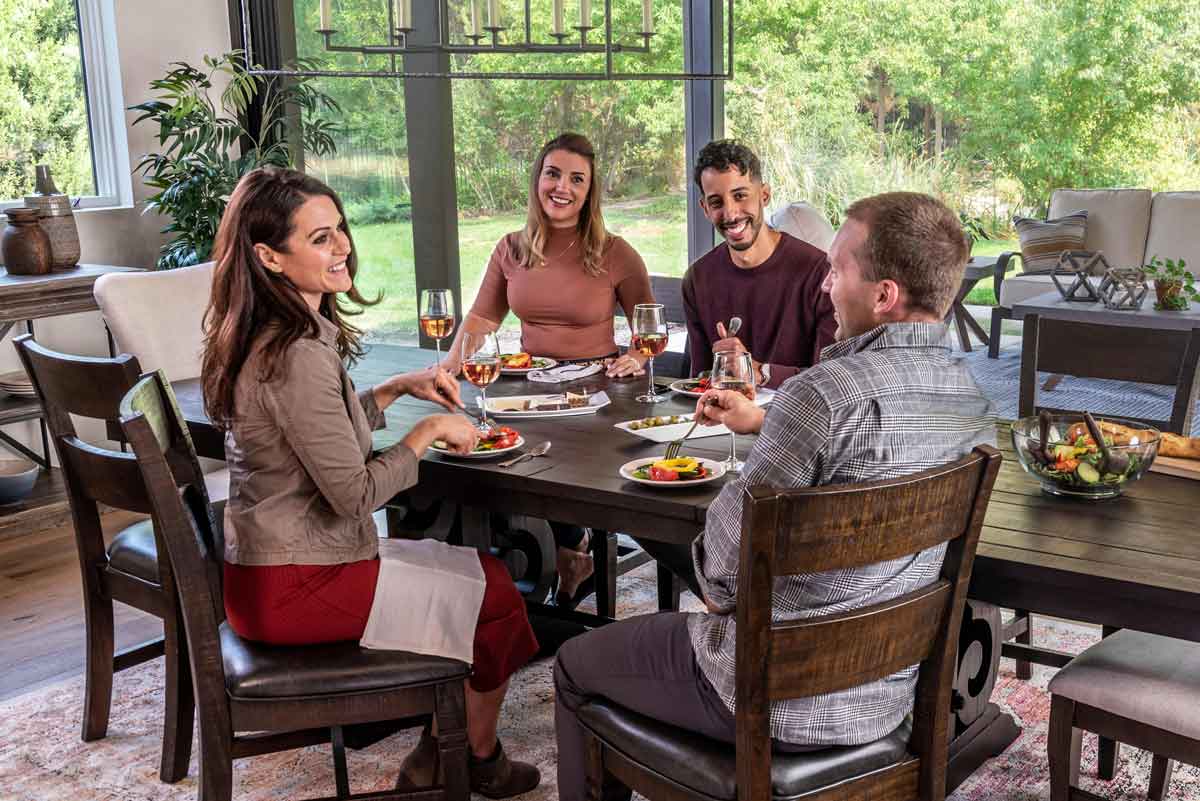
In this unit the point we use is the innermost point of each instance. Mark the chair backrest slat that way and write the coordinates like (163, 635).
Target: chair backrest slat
(837, 652)
(104, 476)
(81, 385)
(833, 528)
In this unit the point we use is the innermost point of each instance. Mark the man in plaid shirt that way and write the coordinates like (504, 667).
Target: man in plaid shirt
(885, 400)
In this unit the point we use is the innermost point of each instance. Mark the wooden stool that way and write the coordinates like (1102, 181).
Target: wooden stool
(1135, 688)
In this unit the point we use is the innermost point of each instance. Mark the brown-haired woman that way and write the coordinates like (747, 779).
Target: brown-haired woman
(301, 549)
(562, 275)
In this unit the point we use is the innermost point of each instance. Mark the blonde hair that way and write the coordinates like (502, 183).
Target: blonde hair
(531, 243)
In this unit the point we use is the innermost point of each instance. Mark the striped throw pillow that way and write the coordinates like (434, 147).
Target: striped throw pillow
(1043, 241)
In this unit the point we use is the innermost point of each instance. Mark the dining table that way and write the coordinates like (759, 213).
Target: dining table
(1132, 562)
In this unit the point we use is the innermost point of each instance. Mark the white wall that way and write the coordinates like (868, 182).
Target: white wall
(151, 34)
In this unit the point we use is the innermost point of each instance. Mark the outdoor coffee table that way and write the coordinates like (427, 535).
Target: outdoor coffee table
(978, 268)
(1089, 341)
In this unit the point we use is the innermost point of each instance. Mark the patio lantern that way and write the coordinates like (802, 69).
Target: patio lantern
(1123, 288)
(1072, 276)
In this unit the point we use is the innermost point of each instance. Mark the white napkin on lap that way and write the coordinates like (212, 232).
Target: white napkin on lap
(563, 373)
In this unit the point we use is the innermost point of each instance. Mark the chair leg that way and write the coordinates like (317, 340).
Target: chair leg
(1063, 747)
(216, 764)
(341, 777)
(180, 705)
(1109, 750)
(450, 713)
(98, 680)
(595, 768)
(1024, 667)
(669, 588)
(994, 336)
(1160, 777)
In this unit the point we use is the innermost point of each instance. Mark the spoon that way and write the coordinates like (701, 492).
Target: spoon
(1114, 461)
(735, 325)
(537, 450)
(1040, 452)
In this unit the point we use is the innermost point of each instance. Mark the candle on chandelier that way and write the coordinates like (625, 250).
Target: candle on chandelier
(404, 14)
(558, 17)
(494, 14)
(585, 13)
(476, 22)
(326, 15)
(647, 16)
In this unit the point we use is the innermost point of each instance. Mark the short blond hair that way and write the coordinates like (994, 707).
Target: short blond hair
(916, 241)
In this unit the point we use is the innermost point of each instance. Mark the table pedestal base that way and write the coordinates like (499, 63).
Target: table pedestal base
(985, 738)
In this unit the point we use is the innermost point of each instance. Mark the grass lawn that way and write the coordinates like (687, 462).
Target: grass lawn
(656, 227)
(984, 294)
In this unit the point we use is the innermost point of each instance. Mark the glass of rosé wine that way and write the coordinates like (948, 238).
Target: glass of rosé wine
(437, 316)
(649, 325)
(734, 371)
(481, 364)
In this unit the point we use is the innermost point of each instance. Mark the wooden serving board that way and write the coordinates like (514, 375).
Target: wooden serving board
(1171, 466)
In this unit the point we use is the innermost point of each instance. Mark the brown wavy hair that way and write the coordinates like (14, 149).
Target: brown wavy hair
(249, 301)
(529, 251)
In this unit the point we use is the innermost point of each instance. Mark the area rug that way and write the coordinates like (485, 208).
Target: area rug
(1000, 380)
(42, 757)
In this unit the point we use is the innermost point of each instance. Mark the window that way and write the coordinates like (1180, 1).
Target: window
(62, 102)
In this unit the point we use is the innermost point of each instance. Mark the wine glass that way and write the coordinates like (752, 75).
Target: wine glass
(437, 317)
(735, 371)
(481, 365)
(649, 326)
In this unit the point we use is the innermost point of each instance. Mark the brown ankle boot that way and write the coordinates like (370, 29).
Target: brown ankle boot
(500, 777)
(421, 767)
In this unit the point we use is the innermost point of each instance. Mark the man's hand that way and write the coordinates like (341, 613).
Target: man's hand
(727, 342)
(739, 414)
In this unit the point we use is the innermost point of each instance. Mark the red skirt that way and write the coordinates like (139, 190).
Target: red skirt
(309, 604)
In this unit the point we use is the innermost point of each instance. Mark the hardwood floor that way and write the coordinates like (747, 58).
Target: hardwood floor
(41, 609)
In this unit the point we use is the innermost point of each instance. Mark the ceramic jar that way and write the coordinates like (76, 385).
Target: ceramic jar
(24, 246)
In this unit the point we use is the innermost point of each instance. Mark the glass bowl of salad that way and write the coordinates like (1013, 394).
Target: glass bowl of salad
(1070, 462)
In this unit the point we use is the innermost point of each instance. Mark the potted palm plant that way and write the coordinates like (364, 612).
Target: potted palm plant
(201, 138)
(1174, 286)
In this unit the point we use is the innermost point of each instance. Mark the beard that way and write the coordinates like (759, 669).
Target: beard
(754, 223)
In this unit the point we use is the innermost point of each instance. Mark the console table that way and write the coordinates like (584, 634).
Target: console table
(25, 298)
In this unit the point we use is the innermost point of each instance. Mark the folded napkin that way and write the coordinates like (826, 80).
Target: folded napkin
(563, 373)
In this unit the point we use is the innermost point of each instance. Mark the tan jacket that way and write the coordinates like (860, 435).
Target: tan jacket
(303, 481)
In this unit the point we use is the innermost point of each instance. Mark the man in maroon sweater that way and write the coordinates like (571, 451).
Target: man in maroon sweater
(771, 280)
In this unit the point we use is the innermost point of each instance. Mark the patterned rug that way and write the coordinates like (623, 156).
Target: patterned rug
(1000, 380)
(42, 757)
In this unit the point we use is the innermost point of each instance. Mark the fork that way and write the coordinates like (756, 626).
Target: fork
(677, 445)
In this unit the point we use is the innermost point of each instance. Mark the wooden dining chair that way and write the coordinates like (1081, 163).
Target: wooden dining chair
(128, 569)
(254, 698)
(814, 530)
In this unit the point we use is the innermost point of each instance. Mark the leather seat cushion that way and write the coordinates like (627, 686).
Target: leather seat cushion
(1020, 287)
(133, 551)
(257, 670)
(1144, 677)
(710, 767)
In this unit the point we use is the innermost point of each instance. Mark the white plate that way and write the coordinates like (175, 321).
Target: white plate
(596, 402)
(762, 396)
(477, 454)
(539, 363)
(679, 387)
(672, 432)
(716, 471)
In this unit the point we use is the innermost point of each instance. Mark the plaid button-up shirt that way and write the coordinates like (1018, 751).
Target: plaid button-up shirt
(887, 403)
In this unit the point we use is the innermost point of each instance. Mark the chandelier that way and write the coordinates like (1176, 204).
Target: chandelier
(492, 30)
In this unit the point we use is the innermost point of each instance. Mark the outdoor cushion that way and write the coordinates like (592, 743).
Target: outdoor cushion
(1017, 288)
(709, 766)
(158, 316)
(1043, 241)
(258, 670)
(1118, 221)
(804, 222)
(1144, 677)
(1174, 217)
(133, 551)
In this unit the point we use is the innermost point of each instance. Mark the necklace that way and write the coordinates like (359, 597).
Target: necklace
(568, 247)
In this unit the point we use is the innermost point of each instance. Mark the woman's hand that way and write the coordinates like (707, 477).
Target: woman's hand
(630, 363)
(459, 434)
(739, 414)
(432, 384)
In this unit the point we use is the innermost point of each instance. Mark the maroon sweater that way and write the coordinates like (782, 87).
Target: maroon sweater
(786, 318)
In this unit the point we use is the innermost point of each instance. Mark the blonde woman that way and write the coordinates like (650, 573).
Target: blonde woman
(563, 274)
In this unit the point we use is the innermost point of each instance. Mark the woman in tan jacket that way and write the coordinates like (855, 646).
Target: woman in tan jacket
(302, 553)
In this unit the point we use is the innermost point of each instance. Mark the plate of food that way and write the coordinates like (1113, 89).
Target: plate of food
(563, 404)
(522, 363)
(501, 440)
(1070, 456)
(695, 387)
(685, 471)
(667, 428)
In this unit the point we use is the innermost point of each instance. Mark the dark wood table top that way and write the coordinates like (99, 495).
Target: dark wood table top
(1131, 562)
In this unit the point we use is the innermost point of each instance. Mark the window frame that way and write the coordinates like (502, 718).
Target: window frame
(105, 101)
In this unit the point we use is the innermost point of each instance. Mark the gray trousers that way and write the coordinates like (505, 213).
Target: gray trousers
(645, 664)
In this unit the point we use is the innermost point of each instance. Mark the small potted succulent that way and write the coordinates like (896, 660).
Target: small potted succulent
(1174, 286)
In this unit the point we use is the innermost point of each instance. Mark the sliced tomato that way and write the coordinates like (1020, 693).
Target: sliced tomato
(663, 474)
(505, 442)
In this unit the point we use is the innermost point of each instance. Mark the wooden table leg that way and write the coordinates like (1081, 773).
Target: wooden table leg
(1024, 668)
(1026, 406)
(1187, 387)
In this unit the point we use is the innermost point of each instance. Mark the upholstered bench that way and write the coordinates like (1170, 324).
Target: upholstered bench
(1135, 688)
